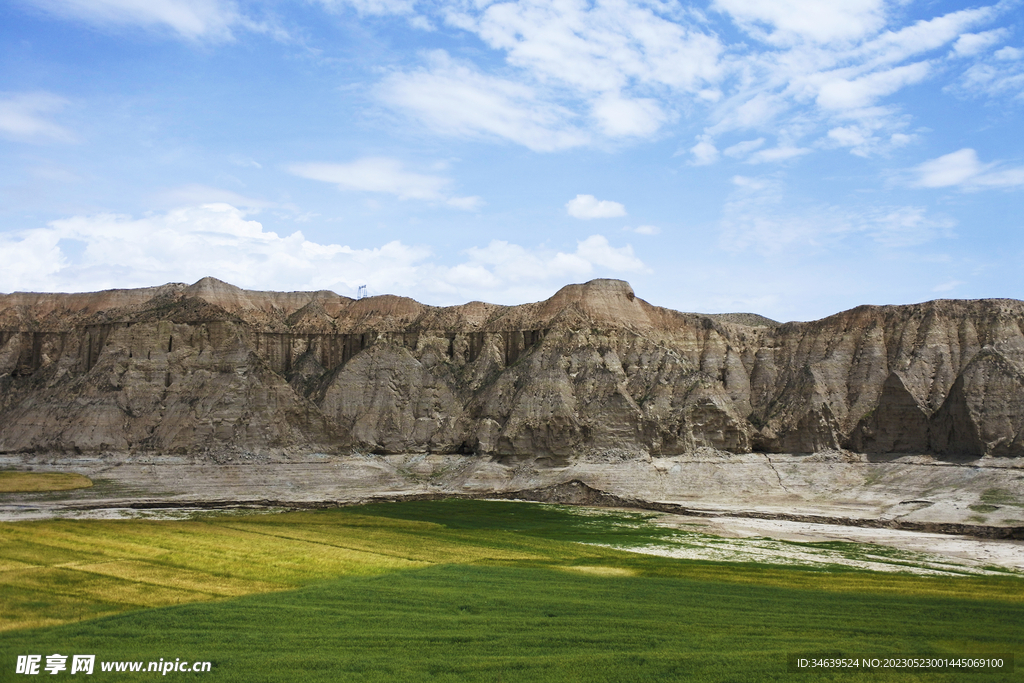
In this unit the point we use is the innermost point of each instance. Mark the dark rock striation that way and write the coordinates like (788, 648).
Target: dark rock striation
(211, 367)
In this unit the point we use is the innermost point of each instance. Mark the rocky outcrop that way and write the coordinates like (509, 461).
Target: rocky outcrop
(898, 424)
(210, 367)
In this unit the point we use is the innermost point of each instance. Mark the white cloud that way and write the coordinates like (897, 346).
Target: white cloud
(379, 174)
(457, 99)
(621, 117)
(466, 203)
(588, 206)
(996, 75)
(604, 47)
(195, 194)
(948, 286)
(372, 7)
(596, 250)
(830, 72)
(780, 153)
(993, 80)
(849, 136)
(748, 110)
(374, 174)
(245, 162)
(951, 169)
(761, 216)
(31, 260)
(645, 230)
(901, 139)
(862, 92)
(191, 19)
(904, 226)
(869, 134)
(972, 43)
(963, 168)
(792, 21)
(741, 149)
(929, 34)
(704, 152)
(186, 244)
(576, 73)
(23, 116)
(501, 261)
(614, 63)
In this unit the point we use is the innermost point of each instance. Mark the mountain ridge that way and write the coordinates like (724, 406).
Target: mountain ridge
(197, 368)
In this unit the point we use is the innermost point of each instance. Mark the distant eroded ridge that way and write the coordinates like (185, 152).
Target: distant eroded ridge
(193, 369)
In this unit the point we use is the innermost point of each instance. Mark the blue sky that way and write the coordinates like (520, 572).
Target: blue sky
(792, 158)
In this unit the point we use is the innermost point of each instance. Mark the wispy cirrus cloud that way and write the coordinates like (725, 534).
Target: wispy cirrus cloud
(969, 44)
(964, 169)
(373, 7)
(762, 215)
(993, 76)
(26, 117)
(195, 194)
(788, 22)
(457, 98)
(644, 230)
(190, 19)
(384, 175)
(579, 74)
(810, 74)
(809, 84)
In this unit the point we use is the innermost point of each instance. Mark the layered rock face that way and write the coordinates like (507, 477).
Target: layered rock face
(209, 367)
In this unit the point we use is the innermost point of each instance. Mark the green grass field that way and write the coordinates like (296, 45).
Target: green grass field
(464, 591)
(31, 482)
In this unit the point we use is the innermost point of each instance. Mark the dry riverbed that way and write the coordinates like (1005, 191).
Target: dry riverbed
(734, 505)
(737, 539)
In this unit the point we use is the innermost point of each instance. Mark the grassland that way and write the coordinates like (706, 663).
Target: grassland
(465, 591)
(31, 482)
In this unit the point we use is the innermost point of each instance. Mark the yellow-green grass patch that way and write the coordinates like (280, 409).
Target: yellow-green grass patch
(8, 564)
(66, 570)
(27, 608)
(175, 577)
(126, 564)
(59, 581)
(602, 571)
(31, 482)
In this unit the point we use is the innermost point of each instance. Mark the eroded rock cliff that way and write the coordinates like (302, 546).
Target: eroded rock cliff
(208, 367)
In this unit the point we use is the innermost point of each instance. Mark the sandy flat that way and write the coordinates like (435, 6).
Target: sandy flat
(774, 541)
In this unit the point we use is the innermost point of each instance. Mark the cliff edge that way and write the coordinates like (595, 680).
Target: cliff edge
(211, 367)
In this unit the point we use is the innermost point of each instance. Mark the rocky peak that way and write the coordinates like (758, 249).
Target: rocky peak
(237, 300)
(603, 301)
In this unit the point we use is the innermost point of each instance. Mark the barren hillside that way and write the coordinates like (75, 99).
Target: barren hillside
(211, 367)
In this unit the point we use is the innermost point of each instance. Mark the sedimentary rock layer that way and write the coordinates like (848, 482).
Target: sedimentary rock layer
(211, 367)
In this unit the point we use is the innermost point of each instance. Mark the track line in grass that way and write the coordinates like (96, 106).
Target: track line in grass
(85, 585)
(295, 536)
(156, 575)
